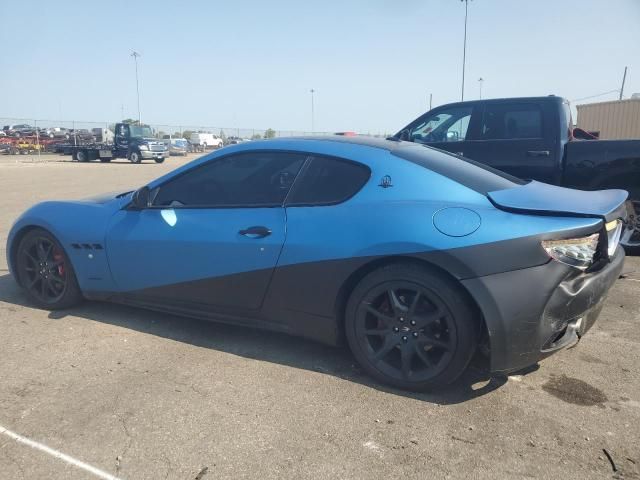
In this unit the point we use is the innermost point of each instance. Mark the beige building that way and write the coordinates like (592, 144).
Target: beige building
(619, 119)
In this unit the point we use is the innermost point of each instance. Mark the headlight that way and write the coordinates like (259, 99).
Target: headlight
(143, 147)
(577, 252)
(614, 230)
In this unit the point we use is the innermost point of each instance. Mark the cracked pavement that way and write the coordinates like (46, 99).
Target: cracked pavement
(143, 395)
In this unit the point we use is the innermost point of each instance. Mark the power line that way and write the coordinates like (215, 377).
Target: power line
(617, 90)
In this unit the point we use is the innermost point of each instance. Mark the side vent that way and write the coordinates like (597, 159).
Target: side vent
(87, 246)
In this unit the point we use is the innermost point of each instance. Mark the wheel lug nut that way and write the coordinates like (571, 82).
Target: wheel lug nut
(396, 329)
(404, 338)
(415, 334)
(412, 322)
(401, 319)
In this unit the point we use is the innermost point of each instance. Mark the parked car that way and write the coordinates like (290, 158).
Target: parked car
(55, 132)
(19, 130)
(235, 140)
(206, 140)
(176, 145)
(81, 135)
(532, 138)
(415, 256)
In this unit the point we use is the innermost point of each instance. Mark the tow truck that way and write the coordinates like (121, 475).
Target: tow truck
(133, 142)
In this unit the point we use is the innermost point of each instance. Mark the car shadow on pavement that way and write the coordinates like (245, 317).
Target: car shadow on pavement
(260, 345)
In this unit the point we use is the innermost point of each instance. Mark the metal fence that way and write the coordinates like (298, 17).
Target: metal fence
(160, 129)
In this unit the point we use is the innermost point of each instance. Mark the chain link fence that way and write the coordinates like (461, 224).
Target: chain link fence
(33, 137)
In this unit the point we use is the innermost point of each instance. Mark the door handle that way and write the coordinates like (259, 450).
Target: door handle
(538, 153)
(255, 232)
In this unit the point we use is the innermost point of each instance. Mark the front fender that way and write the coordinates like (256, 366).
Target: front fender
(80, 227)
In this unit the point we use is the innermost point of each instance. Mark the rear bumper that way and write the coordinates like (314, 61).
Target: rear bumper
(534, 312)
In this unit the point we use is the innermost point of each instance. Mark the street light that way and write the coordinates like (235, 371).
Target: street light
(464, 49)
(135, 56)
(312, 91)
(480, 80)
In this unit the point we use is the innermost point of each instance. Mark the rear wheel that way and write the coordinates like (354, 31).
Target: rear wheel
(82, 156)
(134, 157)
(410, 327)
(45, 272)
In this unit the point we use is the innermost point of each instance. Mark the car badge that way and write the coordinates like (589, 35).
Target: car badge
(386, 182)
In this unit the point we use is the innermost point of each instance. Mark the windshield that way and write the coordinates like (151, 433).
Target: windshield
(142, 132)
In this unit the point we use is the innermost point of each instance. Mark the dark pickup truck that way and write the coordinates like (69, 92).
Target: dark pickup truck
(532, 138)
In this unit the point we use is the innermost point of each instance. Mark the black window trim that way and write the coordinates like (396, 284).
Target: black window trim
(285, 203)
(230, 206)
(304, 169)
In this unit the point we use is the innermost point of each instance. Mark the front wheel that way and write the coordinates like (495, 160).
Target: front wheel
(134, 157)
(82, 156)
(45, 272)
(410, 327)
(159, 160)
(630, 238)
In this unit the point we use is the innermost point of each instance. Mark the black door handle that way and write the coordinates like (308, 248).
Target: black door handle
(538, 153)
(255, 232)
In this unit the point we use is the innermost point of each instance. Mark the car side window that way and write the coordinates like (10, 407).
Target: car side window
(328, 180)
(256, 179)
(512, 121)
(448, 125)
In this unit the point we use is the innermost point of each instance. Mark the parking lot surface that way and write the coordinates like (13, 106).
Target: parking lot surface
(143, 395)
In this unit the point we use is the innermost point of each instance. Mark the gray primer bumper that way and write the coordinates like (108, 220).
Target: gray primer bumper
(534, 312)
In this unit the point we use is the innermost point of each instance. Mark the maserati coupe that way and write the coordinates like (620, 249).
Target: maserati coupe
(415, 257)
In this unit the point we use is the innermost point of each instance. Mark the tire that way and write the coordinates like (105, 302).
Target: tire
(159, 160)
(204, 146)
(411, 345)
(44, 271)
(82, 156)
(105, 160)
(630, 238)
(135, 157)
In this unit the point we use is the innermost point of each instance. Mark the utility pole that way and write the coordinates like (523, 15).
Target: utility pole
(624, 77)
(312, 91)
(464, 48)
(480, 80)
(135, 56)
(430, 100)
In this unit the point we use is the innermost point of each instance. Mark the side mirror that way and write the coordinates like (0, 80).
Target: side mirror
(140, 198)
(404, 134)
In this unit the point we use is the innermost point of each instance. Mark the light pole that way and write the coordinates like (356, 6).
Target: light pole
(135, 56)
(312, 91)
(480, 80)
(464, 48)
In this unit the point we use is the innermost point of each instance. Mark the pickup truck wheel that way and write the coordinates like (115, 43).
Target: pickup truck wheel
(134, 157)
(630, 239)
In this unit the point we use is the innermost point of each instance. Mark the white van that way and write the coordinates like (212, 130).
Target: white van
(206, 140)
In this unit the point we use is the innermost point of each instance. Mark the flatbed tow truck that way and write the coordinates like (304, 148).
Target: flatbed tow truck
(133, 142)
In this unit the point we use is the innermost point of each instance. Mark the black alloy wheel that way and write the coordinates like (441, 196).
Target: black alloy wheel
(45, 272)
(410, 327)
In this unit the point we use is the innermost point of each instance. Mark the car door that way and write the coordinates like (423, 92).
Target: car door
(517, 138)
(210, 238)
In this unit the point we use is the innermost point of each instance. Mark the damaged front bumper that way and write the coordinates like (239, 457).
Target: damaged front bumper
(534, 312)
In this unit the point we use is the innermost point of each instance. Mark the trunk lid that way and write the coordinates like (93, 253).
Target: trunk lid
(538, 198)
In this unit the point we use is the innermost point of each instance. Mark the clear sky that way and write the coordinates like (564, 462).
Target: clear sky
(251, 63)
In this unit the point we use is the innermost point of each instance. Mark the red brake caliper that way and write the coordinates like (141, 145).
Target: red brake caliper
(57, 257)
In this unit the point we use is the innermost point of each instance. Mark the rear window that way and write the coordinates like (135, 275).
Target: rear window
(511, 121)
(474, 175)
(328, 180)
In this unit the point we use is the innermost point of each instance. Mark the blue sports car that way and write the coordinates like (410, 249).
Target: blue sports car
(414, 256)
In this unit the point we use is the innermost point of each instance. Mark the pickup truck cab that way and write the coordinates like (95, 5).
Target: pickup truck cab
(532, 138)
